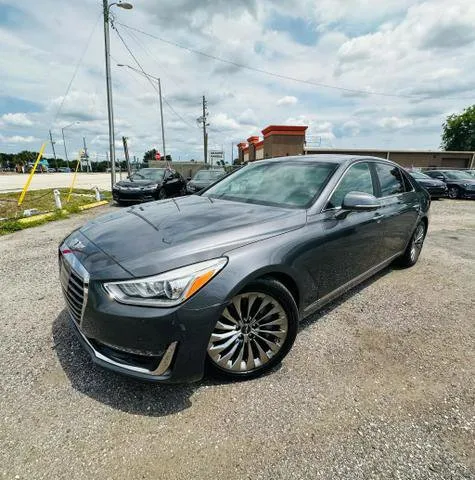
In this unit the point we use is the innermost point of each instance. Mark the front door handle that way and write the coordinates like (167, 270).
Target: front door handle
(378, 217)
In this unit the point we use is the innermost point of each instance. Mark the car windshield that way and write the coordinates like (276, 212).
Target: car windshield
(419, 175)
(458, 175)
(148, 174)
(292, 184)
(207, 175)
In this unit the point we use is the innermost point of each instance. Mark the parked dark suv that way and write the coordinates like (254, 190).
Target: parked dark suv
(149, 184)
(223, 277)
(460, 184)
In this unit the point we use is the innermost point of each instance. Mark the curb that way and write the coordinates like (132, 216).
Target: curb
(44, 216)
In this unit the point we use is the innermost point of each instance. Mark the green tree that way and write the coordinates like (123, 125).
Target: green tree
(149, 155)
(459, 131)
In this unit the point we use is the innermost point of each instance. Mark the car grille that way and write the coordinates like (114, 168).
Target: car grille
(74, 289)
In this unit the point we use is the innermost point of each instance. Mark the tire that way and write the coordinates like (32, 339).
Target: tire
(454, 193)
(413, 250)
(251, 351)
(161, 195)
(182, 192)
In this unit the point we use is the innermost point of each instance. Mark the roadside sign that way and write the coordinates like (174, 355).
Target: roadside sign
(216, 155)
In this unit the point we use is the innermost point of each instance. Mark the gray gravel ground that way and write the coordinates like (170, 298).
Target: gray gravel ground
(378, 386)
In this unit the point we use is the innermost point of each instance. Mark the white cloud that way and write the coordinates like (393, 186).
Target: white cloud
(395, 123)
(18, 139)
(287, 100)
(16, 119)
(411, 47)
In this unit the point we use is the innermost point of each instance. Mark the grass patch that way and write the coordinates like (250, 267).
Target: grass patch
(42, 200)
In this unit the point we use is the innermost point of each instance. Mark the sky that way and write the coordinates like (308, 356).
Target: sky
(373, 74)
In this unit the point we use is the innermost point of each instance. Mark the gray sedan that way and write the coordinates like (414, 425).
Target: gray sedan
(222, 278)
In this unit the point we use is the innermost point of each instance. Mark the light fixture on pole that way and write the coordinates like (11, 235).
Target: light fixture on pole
(64, 141)
(161, 104)
(110, 110)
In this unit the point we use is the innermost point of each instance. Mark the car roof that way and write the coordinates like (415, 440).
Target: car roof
(326, 158)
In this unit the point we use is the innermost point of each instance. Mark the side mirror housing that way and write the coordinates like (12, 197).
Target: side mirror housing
(360, 201)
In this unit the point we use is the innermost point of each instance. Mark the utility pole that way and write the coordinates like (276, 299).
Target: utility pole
(54, 152)
(126, 153)
(86, 156)
(203, 120)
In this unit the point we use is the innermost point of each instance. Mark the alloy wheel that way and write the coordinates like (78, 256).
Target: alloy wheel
(417, 242)
(251, 331)
(453, 192)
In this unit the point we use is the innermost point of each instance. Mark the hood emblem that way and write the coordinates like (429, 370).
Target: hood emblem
(77, 245)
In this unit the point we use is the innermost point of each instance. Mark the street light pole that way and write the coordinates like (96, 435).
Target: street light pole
(161, 102)
(110, 110)
(65, 149)
(161, 118)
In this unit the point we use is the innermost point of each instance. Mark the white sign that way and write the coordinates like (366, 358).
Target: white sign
(216, 155)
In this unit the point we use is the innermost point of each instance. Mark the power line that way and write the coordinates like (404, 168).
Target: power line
(148, 78)
(278, 75)
(76, 69)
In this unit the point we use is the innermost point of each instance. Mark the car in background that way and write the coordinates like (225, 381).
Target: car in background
(203, 179)
(436, 188)
(471, 172)
(460, 184)
(223, 277)
(64, 170)
(149, 184)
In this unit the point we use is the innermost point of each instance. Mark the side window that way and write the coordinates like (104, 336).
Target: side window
(407, 181)
(390, 179)
(356, 179)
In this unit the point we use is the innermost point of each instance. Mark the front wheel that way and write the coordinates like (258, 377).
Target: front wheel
(454, 193)
(413, 250)
(162, 194)
(255, 332)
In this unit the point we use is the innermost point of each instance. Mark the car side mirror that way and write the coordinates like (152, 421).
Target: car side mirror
(360, 201)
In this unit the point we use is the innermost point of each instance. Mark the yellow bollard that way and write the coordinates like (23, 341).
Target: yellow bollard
(74, 181)
(27, 184)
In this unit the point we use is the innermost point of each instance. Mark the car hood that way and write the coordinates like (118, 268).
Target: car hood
(159, 236)
(137, 183)
(462, 182)
(431, 182)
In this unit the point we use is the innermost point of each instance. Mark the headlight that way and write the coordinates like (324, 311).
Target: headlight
(166, 289)
(150, 187)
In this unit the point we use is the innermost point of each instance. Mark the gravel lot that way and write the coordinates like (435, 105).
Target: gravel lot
(378, 386)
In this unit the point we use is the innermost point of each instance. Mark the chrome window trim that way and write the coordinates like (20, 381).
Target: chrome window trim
(338, 184)
(367, 160)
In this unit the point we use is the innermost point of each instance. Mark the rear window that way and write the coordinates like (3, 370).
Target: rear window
(390, 179)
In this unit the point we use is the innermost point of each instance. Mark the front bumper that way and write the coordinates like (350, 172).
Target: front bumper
(156, 344)
(133, 195)
(464, 193)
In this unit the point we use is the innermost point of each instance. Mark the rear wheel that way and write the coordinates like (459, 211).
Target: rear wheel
(454, 192)
(255, 332)
(413, 250)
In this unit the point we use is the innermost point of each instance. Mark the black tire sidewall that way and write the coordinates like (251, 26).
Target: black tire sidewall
(457, 192)
(405, 260)
(280, 293)
(161, 194)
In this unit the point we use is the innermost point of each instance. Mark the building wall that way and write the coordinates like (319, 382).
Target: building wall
(283, 145)
(187, 169)
(408, 158)
(260, 153)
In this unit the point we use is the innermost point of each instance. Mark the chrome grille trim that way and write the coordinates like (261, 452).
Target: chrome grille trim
(74, 280)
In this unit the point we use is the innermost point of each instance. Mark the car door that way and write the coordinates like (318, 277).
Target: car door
(348, 245)
(171, 183)
(400, 207)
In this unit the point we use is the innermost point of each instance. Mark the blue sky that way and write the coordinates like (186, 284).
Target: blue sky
(422, 52)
